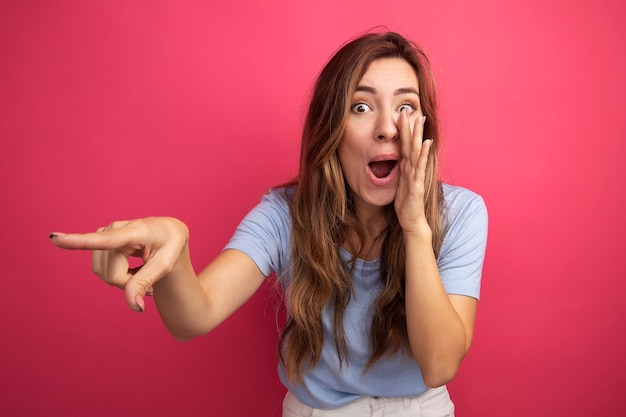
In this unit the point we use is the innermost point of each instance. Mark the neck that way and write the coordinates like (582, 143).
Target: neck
(373, 224)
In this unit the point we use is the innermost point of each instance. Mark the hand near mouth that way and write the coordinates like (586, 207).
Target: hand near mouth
(409, 201)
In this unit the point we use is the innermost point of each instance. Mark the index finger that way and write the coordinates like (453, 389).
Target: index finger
(101, 240)
(405, 135)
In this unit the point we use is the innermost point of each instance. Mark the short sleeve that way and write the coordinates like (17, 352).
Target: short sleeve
(463, 248)
(264, 233)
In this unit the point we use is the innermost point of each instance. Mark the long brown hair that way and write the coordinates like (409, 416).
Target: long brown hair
(323, 215)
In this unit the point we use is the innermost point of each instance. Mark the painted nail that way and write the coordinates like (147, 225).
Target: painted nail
(139, 303)
(55, 234)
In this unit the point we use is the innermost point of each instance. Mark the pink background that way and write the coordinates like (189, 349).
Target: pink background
(121, 109)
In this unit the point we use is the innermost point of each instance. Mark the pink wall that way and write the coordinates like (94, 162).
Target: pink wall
(119, 109)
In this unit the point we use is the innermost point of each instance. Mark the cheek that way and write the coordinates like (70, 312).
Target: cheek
(349, 165)
(345, 151)
(350, 150)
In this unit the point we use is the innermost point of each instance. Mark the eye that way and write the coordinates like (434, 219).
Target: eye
(407, 106)
(361, 108)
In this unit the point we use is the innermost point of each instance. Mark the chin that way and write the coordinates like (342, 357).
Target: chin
(381, 199)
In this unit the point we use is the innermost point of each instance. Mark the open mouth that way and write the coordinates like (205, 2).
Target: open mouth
(382, 169)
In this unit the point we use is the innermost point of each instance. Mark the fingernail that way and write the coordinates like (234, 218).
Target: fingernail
(139, 303)
(55, 234)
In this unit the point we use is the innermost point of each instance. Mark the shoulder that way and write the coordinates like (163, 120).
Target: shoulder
(461, 204)
(279, 196)
(264, 234)
(462, 251)
(465, 218)
(457, 197)
(274, 204)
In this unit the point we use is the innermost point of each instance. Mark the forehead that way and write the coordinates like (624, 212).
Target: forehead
(390, 72)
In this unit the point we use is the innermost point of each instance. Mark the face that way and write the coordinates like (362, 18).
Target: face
(370, 149)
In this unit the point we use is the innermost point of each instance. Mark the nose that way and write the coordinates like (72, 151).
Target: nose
(387, 126)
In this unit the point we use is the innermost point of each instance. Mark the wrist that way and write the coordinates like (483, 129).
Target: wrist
(181, 267)
(420, 233)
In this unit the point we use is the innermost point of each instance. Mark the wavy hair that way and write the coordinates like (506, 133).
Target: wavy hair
(323, 215)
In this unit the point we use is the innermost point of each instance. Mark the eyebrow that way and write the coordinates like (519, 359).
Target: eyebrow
(399, 91)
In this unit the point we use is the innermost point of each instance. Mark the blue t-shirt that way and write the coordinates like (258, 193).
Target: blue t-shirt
(265, 234)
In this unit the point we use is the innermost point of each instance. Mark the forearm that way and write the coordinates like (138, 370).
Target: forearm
(436, 332)
(182, 304)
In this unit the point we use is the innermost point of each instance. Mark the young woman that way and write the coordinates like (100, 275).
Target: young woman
(379, 260)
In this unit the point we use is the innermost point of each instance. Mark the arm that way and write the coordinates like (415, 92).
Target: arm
(440, 326)
(189, 305)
